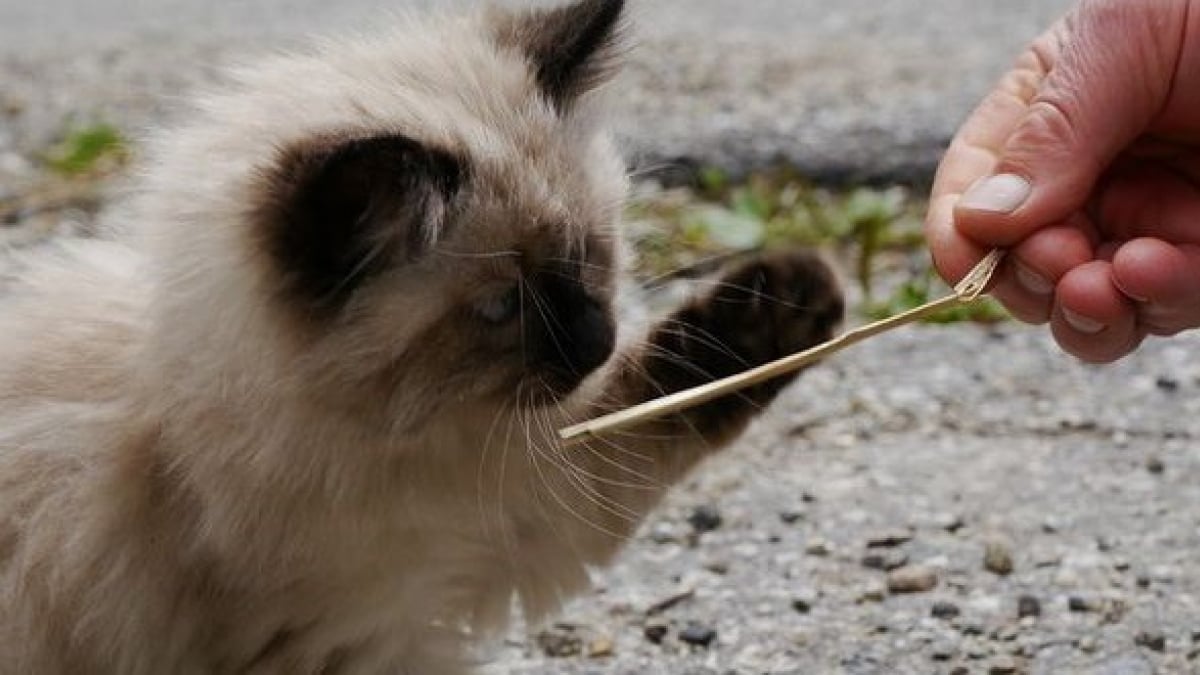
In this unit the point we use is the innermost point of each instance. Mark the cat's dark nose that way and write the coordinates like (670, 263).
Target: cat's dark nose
(578, 333)
(590, 335)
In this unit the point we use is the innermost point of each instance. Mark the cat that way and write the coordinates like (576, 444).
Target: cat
(298, 417)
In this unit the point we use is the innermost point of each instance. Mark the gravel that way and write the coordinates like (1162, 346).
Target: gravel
(988, 430)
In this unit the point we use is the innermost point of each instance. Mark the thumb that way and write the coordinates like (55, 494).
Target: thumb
(1107, 70)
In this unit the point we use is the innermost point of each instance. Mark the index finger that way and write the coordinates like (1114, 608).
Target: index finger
(975, 152)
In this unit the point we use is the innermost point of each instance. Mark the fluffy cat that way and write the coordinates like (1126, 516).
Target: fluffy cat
(300, 419)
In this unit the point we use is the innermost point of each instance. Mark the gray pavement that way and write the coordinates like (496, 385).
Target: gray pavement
(844, 90)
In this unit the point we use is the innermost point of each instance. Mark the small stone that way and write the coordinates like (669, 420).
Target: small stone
(943, 650)
(950, 522)
(600, 648)
(912, 579)
(890, 539)
(1151, 639)
(1167, 384)
(1007, 633)
(961, 670)
(1155, 465)
(817, 548)
(698, 635)
(997, 557)
(705, 518)
(1087, 644)
(791, 517)
(1027, 606)
(945, 610)
(663, 533)
(978, 651)
(1077, 603)
(874, 592)
(1002, 665)
(804, 601)
(971, 628)
(655, 632)
(560, 643)
(885, 561)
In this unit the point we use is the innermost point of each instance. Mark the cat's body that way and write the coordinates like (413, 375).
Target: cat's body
(302, 419)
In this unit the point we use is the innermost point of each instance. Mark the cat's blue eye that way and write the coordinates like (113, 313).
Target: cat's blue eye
(501, 308)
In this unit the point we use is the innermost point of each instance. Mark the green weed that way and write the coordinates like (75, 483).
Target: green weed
(91, 149)
(866, 227)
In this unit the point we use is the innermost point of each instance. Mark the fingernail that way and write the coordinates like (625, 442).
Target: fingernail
(1082, 323)
(999, 194)
(1131, 296)
(1032, 281)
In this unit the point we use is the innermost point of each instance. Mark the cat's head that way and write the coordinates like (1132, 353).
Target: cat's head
(434, 212)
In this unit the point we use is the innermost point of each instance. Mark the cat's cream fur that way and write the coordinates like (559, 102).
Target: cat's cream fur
(197, 478)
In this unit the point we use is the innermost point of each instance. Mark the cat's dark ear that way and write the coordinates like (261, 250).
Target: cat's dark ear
(572, 49)
(337, 212)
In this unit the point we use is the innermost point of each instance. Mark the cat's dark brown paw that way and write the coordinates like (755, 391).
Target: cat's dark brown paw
(759, 311)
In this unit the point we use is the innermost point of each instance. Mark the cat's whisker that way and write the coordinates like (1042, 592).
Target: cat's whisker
(688, 330)
(580, 477)
(619, 467)
(480, 484)
(548, 486)
(477, 256)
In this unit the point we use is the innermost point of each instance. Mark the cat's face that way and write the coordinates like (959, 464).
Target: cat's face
(465, 257)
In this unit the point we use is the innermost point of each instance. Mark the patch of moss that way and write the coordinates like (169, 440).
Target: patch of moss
(90, 149)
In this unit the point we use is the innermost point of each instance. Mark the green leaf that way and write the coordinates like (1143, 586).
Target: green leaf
(728, 228)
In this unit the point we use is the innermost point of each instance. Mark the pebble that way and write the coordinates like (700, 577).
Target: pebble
(600, 648)
(804, 601)
(885, 561)
(1087, 644)
(663, 533)
(997, 557)
(817, 547)
(1155, 465)
(1167, 383)
(950, 522)
(890, 539)
(912, 579)
(791, 517)
(1151, 639)
(1007, 633)
(1002, 665)
(698, 635)
(874, 592)
(1028, 605)
(560, 644)
(1077, 603)
(705, 518)
(943, 650)
(944, 610)
(655, 632)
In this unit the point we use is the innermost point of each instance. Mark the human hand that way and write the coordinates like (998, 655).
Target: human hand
(1085, 162)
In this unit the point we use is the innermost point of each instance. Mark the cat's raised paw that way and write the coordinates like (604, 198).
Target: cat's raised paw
(758, 311)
